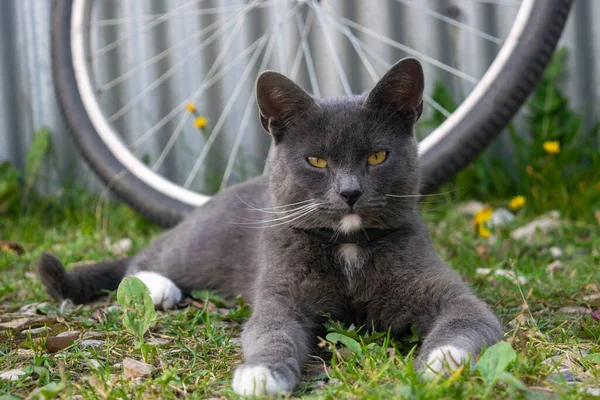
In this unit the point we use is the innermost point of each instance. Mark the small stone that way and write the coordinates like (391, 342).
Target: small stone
(35, 331)
(501, 217)
(16, 324)
(91, 335)
(61, 342)
(592, 390)
(25, 353)
(135, 369)
(90, 343)
(554, 266)
(94, 364)
(69, 333)
(574, 310)
(12, 375)
(482, 250)
(113, 309)
(122, 246)
(470, 207)
(66, 307)
(483, 271)
(556, 252)
(565, 368)
(156, 341)
(543, 225)
(591, 297)
(31, 309)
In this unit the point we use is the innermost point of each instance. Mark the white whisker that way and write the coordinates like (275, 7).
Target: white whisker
(265, 210)
(286, 222)
(303, 210)
(422, 195)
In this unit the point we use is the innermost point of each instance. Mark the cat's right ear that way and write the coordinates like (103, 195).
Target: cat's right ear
(400, 89)
(280, 101)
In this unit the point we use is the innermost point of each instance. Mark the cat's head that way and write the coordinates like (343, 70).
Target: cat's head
(339, 162)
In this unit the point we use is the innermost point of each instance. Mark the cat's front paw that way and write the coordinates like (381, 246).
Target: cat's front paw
(165, 294)
(444, 359)
(258, 380)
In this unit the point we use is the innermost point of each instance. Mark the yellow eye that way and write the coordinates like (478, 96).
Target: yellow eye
(317, 162)
(377, 158)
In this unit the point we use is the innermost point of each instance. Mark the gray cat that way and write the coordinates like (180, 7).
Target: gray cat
(334, 229)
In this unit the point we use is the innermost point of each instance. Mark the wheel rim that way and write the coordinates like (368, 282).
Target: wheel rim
(82, 36)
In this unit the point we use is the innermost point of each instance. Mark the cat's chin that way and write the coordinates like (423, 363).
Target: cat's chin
(350, 223)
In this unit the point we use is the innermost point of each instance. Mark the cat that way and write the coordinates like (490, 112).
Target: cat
(333, 229)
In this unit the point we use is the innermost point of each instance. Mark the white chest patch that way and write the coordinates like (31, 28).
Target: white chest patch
(350, 258)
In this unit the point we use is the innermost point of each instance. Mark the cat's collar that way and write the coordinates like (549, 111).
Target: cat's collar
(361, 237)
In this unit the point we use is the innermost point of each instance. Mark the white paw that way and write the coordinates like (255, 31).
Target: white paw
(444, 359)
(164, 292)
(256, 380)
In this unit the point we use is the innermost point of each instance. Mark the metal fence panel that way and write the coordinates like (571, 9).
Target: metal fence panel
(28, 101)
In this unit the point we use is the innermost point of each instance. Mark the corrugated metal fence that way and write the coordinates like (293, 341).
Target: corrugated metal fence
(28, 101)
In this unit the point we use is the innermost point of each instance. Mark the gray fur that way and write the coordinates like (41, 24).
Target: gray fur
(287, 276)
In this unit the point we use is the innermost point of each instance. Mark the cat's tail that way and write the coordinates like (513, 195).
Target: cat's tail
(83, 283)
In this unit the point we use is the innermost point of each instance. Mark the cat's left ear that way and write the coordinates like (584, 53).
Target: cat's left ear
(280, 100)
(401, 88)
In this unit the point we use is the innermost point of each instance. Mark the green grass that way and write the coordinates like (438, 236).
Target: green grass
(202, 349)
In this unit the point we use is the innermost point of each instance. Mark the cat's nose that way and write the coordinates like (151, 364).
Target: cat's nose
(351, 196)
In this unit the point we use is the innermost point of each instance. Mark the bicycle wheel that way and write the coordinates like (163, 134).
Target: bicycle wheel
(139, 80)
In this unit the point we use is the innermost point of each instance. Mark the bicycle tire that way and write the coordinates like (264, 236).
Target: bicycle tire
(473, 129)
(486, 120)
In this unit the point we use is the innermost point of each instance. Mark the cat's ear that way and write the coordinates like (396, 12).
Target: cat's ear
(280, 100)
(401, 88)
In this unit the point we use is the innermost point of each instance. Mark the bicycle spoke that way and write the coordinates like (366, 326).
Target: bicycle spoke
(245, 121)
(145, 18)
(299, 52)
(451, 21)
(513, 3)
(357, 47)
(385, 64)
(142, 29)
(165, 76)
(128, 74)
(408, 50)
(334, 56)
(230, 102)
(171, 142)
(310, 65)
(208, 82)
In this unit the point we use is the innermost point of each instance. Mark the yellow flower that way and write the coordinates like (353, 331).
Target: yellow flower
(481, 217)
(200, 122)
(483, 231)
(517, 202)
(191, 107)
(552, 146)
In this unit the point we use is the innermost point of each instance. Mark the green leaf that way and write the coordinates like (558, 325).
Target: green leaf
(595, 357)
(210, 295)
(511, 380)
(9, 186)
(40, 145)
(346, 341)
(138, 310)
(49, 391)
(494, 361)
